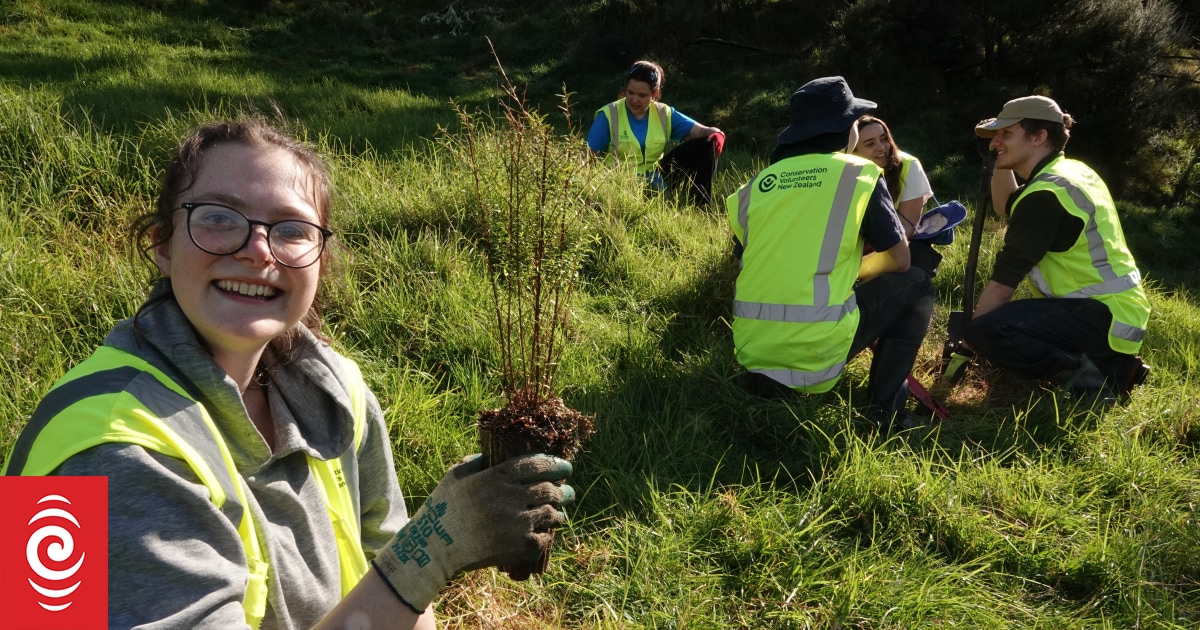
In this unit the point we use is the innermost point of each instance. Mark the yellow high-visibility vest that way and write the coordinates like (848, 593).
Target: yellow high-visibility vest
(906, 162)
(115, 396)
(625, 146)
(1099, 264)
(794, 310)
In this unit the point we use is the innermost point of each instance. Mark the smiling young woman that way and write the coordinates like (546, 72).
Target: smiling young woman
(238, 302)
(257, 486)
(906, 182)
(905, 176)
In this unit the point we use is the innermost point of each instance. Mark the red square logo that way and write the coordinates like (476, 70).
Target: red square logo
(54, 552)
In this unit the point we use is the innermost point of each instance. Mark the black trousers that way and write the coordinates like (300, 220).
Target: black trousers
(894, 312)
(1038, 338)
(689, 168)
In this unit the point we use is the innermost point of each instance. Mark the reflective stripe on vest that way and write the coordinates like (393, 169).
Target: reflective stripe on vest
(116, 397)
(1108, 287)
(743, 214)
(906, 161)
(820, 310)
(1119, 290)
(1091, 229)
(794, 378)
(617, 114)
(343, 505)
(794, 312)
(801, 338)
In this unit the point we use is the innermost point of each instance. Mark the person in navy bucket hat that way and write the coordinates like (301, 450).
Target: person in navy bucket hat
(807, 300)
(823, 106)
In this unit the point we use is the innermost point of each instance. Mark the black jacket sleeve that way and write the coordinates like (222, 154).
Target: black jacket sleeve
(1040, 225)
(881, 227)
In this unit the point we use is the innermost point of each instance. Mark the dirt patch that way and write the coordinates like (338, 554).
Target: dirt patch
(533, 424)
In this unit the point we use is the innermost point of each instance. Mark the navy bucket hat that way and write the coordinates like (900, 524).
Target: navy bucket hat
(823, 106)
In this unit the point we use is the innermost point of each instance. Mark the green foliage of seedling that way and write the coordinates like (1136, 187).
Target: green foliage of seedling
(529, 190)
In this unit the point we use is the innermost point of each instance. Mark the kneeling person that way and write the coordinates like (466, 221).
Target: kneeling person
(807, 300)
(1063, 233)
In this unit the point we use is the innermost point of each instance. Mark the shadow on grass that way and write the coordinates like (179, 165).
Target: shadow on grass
(315, 59)
(681, 416)
(662, 425)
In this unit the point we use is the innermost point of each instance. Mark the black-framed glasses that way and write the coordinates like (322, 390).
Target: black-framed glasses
(221, 231)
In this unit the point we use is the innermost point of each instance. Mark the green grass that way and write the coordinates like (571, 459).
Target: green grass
(700, 507)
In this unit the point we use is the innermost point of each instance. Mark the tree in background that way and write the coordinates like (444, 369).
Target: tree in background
(1126, 69)
(1112, 63)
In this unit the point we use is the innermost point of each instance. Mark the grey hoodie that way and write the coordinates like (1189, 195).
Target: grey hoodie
(174, 560)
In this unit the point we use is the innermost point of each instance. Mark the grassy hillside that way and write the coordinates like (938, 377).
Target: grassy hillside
(700, 507)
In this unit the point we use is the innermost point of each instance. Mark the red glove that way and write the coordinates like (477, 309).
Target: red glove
(718, 140)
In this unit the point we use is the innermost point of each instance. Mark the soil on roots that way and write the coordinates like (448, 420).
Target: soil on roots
(533, 424)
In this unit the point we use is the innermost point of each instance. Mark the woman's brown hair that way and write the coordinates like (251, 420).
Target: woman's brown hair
(891, 170)
(647, 72)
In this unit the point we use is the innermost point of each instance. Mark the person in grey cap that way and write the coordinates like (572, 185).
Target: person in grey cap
(807, 300)
(1064, 234)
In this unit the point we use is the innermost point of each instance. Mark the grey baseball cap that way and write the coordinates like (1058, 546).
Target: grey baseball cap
(1018, 109)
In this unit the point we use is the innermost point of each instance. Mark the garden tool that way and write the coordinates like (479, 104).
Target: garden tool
(955, 356)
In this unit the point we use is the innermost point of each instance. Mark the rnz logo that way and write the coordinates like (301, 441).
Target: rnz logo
(58, 543)
(54, 552)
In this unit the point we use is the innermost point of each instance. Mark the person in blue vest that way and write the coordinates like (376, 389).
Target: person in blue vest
(1065, 236)
(636, 128)
(807, 300)
(250, 471)
(906, 182)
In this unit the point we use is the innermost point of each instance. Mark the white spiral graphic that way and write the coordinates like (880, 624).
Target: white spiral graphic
(60, 550)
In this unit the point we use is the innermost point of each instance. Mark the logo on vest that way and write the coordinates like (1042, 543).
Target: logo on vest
(340, 476)
(807, 178)
(54, 550)
(767, 183)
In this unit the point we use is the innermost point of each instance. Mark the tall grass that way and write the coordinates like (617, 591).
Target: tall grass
(700, 507)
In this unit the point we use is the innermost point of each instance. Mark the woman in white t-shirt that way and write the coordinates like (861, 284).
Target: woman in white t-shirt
(906, 181)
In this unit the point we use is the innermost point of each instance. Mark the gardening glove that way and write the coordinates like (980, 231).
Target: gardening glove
(718, 140)
(476, 517)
